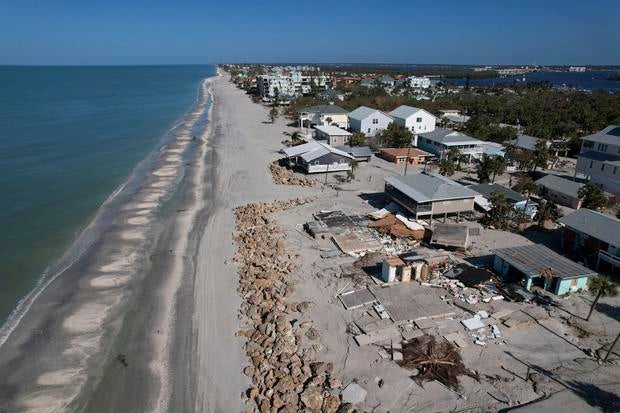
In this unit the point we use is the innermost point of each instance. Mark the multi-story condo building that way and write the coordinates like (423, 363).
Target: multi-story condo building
(599, 159)
(291, 84)
(416, 82)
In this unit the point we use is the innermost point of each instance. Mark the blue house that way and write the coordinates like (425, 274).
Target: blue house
(537, 265)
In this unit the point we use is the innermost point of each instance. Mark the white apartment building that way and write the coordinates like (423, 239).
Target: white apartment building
(599, 159)
(415, 82)
(291, 84)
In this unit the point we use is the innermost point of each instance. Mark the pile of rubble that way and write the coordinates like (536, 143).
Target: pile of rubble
(391, 225)
(284, 376)
(284, 176)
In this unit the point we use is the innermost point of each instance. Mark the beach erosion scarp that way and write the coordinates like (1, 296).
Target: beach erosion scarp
(113, 307)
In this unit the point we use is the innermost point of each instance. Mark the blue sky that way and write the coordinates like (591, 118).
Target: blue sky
(168, 32)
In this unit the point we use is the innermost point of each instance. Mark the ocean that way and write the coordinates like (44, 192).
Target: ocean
(70, 137)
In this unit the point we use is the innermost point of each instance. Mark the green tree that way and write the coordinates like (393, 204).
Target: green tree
(446, 167)
(527, 187)
(396, 136)
(541, 154)
(592, 196)
(601, 286)
(500, 211)
(328, 120)
(547, 211)
(357, 139)
(498, 166)
(484, 168)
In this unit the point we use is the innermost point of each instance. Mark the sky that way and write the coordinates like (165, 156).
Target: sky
(117, 32)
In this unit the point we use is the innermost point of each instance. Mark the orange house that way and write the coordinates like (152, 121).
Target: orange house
(399, 155)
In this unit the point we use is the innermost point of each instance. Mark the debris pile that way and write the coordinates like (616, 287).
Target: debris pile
(284, 376)
(390, 225)
(284, 176)
(434, 361)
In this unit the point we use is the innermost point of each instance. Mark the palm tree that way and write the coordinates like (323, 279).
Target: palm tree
(328, 120)
(547, 211)
(603, 287)
(296, 137)
(351, 172)
(446, 167)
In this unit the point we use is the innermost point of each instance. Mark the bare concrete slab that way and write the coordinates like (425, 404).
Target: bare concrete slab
(411, 302)
(356, 299)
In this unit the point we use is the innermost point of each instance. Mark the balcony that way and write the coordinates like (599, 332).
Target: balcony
(405, 201)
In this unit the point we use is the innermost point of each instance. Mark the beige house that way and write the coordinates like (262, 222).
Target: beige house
(429, 195)
(333, 135)
(324, 115)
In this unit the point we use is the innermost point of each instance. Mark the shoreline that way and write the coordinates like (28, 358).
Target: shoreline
(106, 278)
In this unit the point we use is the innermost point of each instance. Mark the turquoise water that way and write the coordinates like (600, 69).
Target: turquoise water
(69, 136)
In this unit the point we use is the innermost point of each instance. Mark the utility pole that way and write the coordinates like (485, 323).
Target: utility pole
(326, 173)
(407, 160)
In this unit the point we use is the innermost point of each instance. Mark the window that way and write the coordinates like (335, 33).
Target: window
(602, 147)
(369, 132)
(591, 162)
(602, 167)
(375, 121)
(615, 169)
(418, 120)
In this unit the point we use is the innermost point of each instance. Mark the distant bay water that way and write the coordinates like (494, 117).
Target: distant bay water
(591, 80)
(69, 136)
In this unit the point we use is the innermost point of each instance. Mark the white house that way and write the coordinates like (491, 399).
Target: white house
(368, 121)
(599, 159)
(440, 141)
(415, 119)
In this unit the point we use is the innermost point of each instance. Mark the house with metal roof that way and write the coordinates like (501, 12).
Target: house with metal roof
(415, 119)
(324, 115)
(359, 153)
(440, 141)
(314, 157)
(536, 265)
(430, 195)
(560, 190)
(593, 236)
(599, 159)
(368, 121)
(332, 135)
